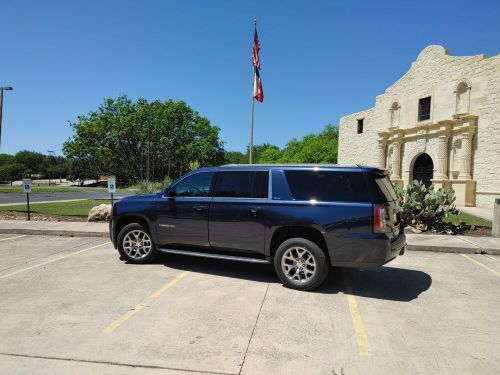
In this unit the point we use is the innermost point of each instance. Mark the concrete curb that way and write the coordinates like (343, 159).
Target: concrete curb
(51, 232)
(443, 249)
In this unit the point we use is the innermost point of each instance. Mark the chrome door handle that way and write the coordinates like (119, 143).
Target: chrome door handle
(199, 208)
(254, 210)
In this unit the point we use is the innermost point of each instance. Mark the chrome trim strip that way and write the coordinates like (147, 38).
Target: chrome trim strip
(270, 185)
(214, 256)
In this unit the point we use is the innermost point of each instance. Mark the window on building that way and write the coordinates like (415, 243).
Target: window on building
(360, 125)
(242, 184)
(424, 109)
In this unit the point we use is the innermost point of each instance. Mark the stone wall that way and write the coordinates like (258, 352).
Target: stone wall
(358, 148)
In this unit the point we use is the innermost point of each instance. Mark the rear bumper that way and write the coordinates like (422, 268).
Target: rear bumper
(368, 252)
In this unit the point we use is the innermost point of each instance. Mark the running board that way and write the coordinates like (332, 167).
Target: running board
(215, 256)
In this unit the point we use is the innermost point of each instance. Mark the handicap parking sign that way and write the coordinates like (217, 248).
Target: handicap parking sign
(27, 185)
(112, 186)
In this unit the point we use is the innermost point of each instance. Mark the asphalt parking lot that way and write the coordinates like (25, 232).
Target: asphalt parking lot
(70, 305)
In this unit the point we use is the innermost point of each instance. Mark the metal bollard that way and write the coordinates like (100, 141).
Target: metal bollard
(495, 230)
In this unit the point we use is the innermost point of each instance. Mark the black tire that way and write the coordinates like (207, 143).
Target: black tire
(139, 258)
(321, 269)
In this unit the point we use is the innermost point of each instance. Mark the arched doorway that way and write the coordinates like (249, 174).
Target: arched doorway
(423, 169)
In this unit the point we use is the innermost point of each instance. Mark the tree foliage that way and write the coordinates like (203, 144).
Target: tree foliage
(31, 164)
(113, 140)
(313, 148)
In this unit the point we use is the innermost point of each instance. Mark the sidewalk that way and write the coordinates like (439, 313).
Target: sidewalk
(415, 242)
(55, 228)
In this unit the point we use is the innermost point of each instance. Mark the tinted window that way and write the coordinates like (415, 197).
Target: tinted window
(242, 184)
(197, 185)
(327, 186)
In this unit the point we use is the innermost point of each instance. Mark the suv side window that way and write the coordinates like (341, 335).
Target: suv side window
(242, 184)
(197, 185)
(327, 186)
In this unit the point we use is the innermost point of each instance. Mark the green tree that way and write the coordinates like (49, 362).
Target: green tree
(313, 148)
(235, 157)
(11, 171)
(121, 136)
(31, 161)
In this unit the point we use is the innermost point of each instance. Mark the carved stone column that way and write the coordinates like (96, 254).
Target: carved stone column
(396, 160)
(466, 157)
(442, 154)
(382, 144)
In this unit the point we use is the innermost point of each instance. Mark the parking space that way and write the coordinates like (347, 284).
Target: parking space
(71, 305)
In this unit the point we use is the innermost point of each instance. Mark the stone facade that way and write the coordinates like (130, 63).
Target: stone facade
(461, 134)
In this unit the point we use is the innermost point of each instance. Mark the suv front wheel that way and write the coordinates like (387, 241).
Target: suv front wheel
(135, 244)
(301, 264)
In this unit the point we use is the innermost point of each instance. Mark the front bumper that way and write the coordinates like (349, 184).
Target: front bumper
(112, 232)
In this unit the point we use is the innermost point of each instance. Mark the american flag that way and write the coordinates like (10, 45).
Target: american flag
(255, 50)
(258, 92)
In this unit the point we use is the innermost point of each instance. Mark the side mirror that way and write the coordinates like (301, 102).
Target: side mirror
(169, 192)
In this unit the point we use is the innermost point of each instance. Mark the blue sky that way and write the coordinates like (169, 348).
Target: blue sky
(320, 59)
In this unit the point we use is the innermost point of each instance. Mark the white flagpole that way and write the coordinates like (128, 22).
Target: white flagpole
(253, 102)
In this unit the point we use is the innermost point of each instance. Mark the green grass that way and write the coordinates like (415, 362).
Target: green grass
(55, 189)
(76, 208)
(469, 219)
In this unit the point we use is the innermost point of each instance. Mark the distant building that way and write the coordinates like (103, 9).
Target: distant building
(438, 123)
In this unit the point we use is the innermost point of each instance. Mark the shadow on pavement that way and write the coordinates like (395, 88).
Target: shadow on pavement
(389, 283)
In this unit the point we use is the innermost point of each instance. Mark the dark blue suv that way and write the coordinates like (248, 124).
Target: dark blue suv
(303, 218)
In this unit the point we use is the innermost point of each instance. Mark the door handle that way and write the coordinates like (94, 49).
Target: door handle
(199, 208)
(254, 210)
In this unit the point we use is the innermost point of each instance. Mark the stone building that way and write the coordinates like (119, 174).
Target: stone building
(439, 123)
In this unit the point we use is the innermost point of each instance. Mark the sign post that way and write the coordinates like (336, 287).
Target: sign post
(27, 190)
(111, 189)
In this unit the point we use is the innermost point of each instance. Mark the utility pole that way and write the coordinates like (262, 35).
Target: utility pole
(2, 89)
(51, 153)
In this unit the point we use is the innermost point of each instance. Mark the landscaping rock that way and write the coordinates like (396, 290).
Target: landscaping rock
(100, 213)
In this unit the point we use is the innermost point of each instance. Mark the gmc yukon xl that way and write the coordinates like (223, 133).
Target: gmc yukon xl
(302, 218)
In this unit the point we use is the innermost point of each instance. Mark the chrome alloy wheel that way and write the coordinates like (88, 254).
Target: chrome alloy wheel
(137, 244)
(298, 264)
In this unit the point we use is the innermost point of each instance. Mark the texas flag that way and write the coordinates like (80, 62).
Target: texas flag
(258, 92)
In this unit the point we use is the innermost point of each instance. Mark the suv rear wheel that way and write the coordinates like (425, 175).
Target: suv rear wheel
(301, 264)
(135, 244)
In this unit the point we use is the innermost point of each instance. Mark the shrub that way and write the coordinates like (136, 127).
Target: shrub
(148, 187)
(424, 208)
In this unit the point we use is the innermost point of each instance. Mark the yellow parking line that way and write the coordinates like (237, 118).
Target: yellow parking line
(51, 261)
(122, 319)
(11, 238)
(481, 265)
(363, 345)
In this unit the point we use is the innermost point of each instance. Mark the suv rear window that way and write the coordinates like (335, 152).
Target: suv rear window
(242, 184)
(327, 186)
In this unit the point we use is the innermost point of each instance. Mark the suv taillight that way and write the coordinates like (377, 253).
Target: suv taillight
(379, 218)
